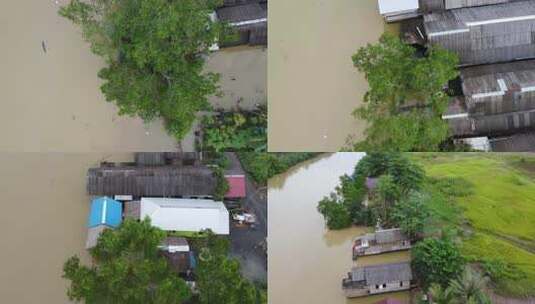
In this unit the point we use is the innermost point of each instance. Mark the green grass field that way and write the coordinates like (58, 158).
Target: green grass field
(500, 209)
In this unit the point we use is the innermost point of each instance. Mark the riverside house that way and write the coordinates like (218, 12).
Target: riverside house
(377, 279)
(381, 241)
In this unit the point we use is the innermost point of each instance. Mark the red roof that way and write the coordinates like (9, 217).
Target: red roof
(236, 186)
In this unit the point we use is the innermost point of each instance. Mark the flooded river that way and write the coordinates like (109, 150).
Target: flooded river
(43, 222)
(51, 101)
(306, 261)
(313, 87)
(243, 79)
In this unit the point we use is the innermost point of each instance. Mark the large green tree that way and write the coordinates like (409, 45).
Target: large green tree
(218, 277)
(411, 214)
(154, 55)
(436, 261)
(127, 268)
(405, 101)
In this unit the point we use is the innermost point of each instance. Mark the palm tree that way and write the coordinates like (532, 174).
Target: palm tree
(468, 287)
(439, 295)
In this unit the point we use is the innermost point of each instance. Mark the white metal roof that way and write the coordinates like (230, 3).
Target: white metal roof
(397, 6)
(186, 214)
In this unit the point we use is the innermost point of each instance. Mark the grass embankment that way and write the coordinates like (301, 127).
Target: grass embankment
(493, 202)
(262, 166)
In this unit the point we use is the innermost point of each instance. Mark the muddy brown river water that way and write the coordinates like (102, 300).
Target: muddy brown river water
(313, 87)
(43, 222)
(51, 101)
(306, 261)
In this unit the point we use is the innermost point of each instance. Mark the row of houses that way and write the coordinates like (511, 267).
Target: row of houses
(174, 190)
(495, 42)
(369, 280)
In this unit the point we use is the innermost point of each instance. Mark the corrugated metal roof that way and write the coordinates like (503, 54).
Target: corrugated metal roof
(384, 273)
(192, 215)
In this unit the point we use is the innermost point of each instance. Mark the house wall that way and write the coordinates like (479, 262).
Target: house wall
(356, 292)
(390, 287)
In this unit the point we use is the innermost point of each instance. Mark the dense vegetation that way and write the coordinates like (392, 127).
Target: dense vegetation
(153, 50)
(406, 99)
(465, 212)
(262, 166)
(393, 198)
(235, 131)
(128, 268)
(218, 276)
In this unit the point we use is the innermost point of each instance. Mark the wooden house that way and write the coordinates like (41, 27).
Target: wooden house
(248, 17)
(485, 34)
(377, 279)
(381, 241)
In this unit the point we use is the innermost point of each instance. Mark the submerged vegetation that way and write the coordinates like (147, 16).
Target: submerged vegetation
(153, 70)
(406, 99)
(235, 131)
(262, 166)
(472, 217)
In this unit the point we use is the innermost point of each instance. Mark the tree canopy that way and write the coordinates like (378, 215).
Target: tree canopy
(406, 99)
(397, 177)
(436, 261)
(127, 268)
(153, 50)
(218, 276)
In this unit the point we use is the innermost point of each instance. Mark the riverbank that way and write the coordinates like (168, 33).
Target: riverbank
(306, 260)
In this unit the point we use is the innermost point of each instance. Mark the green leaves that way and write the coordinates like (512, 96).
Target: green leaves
(335, 213)
(127, 269)
(436, 261)
(154, 50)
(242, 130)
(218, 277)
(405, 101)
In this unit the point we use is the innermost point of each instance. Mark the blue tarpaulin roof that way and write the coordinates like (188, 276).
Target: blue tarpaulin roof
(105, 211)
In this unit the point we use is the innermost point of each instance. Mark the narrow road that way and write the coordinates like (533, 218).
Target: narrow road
(248, 244)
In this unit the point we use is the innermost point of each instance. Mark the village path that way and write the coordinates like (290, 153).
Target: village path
(248, 244)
